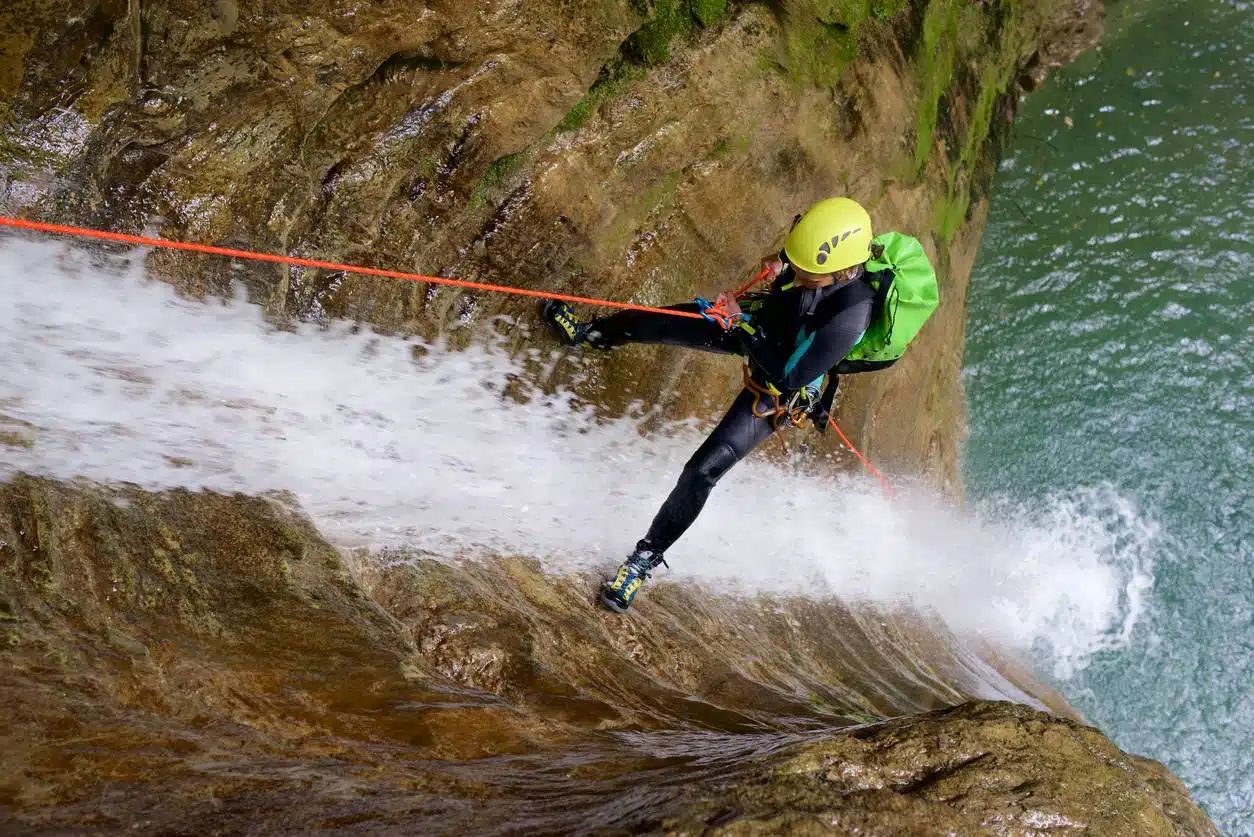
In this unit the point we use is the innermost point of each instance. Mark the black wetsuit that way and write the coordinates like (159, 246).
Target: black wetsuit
(799, 335)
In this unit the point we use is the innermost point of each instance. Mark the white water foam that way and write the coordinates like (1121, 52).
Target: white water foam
(117, 378)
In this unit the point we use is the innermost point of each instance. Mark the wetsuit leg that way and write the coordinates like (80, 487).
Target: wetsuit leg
(737, 434)
(649, 327)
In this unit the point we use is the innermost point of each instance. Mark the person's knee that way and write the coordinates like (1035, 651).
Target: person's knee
(708, 467)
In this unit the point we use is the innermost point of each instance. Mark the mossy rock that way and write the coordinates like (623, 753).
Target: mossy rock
(668, 19)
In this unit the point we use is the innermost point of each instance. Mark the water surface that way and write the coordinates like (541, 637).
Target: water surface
(1111, 339)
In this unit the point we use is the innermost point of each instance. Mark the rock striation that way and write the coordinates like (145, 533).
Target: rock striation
(193, 663)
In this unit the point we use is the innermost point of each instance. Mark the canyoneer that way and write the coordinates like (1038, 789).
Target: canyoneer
(840, 301)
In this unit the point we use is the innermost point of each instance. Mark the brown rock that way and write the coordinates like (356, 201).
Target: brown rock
(195, 663)
(524, 144)
(189, 663)
(979, 768)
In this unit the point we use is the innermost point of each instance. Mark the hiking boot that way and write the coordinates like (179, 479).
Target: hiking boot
(569, 328)
(618, 592)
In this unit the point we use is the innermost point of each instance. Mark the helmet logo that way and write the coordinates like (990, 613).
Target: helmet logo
(825, 248)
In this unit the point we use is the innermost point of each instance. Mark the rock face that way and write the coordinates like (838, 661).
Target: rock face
(979, 769)
(216, 653)
(180, 663)
(625, 149)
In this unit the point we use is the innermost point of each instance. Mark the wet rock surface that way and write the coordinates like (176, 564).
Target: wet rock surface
(979, 768)
(191, 663)
(621, 150)
(197, 663)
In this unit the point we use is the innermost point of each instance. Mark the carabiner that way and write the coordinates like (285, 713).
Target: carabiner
(716, 314)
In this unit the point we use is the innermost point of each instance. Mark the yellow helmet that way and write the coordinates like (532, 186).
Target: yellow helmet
(832, 235)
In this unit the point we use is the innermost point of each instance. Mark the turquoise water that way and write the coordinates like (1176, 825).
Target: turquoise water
(1111, 349)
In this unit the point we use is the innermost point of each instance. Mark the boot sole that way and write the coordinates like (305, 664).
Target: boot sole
(612, 603)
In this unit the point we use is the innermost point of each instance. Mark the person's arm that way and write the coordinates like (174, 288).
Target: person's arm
(826, 348)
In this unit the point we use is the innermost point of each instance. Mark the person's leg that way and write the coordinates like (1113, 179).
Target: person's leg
(739, 432)
(736, 435)
(662, 329)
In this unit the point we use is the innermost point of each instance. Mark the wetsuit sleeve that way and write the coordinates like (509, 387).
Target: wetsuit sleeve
(821, 351)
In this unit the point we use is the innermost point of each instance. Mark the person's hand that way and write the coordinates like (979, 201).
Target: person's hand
(773, 267)
(727, 302)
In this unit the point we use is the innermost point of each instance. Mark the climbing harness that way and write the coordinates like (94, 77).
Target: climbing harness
(782, 414)
(780, 411)
(792, 413)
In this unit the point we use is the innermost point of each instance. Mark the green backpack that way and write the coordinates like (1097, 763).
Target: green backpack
(904, 305)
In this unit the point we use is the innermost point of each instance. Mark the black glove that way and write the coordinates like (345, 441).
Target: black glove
(820, 415)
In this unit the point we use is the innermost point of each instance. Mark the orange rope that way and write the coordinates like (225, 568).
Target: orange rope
(888, 491)
(122, 238)
(744, 288)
